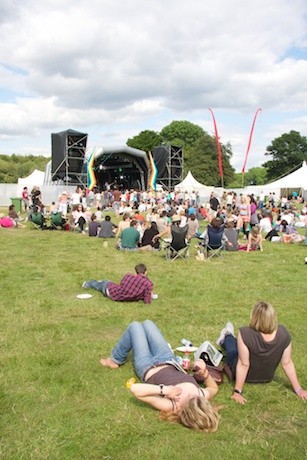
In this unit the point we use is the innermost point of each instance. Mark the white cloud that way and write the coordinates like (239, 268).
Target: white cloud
(111, 67)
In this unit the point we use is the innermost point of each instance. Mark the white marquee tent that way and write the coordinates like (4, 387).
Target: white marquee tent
(35, 178)
(297, 179)
(190, 184)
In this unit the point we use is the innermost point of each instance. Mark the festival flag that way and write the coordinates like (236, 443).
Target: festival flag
(250, 141)
(218, 148)
(91, 178)
(152, 181)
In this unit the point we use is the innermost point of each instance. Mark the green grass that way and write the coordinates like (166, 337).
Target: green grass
(57, 402)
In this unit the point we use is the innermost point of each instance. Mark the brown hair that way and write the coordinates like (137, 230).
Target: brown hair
(140, 269)
(216, 222)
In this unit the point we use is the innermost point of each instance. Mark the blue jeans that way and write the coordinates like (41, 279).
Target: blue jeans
(98, 285)
(231, 347)
(148, 345)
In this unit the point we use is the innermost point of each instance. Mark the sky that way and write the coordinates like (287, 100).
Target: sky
(112, 69)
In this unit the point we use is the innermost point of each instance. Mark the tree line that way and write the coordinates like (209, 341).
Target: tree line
(14, 166)
(286, 153)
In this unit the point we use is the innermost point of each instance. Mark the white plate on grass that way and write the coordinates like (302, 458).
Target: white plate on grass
(84, 296)
(186, 349)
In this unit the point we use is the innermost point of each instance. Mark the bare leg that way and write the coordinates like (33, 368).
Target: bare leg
(107, 362)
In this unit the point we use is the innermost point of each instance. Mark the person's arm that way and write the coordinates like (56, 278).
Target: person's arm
(241, 371)
(260, 242)
(289, 369)
(225, 240)
(160, 235)
(211, 385)
(148, 293)
(203, 234)
(118, 232)
(158, 396)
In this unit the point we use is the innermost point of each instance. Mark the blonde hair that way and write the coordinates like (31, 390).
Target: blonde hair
(198, 414)
(263, 318)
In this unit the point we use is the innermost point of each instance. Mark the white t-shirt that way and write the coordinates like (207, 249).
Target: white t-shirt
(265, 225)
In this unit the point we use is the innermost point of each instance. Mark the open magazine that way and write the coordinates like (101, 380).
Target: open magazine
(209, 354)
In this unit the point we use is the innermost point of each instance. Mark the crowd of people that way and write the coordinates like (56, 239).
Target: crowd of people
(146, 219)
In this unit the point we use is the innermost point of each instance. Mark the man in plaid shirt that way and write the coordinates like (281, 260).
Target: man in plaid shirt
(131, 287)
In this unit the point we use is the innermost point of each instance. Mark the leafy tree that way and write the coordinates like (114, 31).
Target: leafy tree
(288, 152)
(203, 161)
(254, 176)
(14, 166)
(237, 181)
(182, 133)
(145, 140)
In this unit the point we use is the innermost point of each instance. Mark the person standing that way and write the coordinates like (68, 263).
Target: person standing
(25, 198)
(214, 206)
(63, 203)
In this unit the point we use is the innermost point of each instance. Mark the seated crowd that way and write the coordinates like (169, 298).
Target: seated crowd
(242, 215)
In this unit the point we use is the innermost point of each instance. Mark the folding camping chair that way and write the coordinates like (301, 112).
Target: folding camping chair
(173, 254)
(37, 220)
(178, 248)
(57, 220)
(213, 244)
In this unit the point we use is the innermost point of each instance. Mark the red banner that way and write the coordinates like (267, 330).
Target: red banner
(218, 146)
(250, 140)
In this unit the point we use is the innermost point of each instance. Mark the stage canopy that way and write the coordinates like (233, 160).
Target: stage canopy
(121, 166)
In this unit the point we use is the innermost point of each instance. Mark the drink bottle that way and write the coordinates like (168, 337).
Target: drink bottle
(186, 362)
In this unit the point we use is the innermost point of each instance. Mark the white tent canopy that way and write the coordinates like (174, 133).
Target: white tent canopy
(35, 178)
(297, 179)
(190, 184)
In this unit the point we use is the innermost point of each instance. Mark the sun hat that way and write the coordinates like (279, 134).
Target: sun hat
(176, 218)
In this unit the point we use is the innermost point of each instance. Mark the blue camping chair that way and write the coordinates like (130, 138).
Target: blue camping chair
(213, 244)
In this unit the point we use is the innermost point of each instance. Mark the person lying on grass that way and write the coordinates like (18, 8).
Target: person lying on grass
(132, 287)
(260, 347)
(167, 387)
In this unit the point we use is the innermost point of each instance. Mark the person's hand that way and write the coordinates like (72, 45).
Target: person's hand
(172, 392)
(238, 398)
(200, 364)
(302, 394)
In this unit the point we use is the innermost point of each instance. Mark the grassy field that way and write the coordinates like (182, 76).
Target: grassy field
(57, 402)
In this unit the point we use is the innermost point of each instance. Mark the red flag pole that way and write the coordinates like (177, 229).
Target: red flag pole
(218, 148)
(249, 145)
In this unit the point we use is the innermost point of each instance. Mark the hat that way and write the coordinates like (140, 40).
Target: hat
(176, 218)
(64, 193)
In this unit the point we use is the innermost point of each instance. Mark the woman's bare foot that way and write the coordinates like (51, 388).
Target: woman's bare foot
(107, 362)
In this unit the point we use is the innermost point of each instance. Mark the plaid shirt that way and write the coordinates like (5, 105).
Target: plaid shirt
(131, 287)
